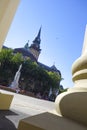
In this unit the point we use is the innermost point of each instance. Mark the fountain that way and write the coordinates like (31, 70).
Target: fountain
(15, 82)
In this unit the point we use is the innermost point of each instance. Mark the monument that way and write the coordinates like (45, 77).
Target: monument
(15, 84)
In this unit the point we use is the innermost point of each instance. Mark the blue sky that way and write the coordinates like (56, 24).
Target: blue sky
(63, 27)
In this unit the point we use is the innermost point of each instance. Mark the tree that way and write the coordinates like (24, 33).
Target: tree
(16, 60)
(33, 77)
(8, 66)
(54, 79)
(5, 63)
(37, 77)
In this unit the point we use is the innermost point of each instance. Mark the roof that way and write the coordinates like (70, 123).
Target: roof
(35, 46)
(25, 52)
(52, 68)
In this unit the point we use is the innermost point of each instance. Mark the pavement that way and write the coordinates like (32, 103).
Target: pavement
(25, 106)
(22, 107)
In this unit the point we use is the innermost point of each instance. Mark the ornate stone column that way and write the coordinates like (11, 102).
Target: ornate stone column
(7, 12)
(73, 103)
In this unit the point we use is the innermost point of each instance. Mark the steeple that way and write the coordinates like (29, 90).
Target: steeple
(27, 45)
(35, 46)
(37, 38)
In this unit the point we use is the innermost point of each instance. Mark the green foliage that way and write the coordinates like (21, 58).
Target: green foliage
(54, 79)
(5, 57)
(5, 63)
(34, 75)
(31, 73)
(17, 58)
(62, 90)
(8, 65)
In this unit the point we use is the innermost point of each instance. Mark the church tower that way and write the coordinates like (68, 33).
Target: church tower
(35, 46)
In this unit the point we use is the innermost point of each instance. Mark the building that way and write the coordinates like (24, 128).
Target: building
(33, 51)
(71, 116)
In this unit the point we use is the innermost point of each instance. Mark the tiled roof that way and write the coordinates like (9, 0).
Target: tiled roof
(25, 52)
(53, 68)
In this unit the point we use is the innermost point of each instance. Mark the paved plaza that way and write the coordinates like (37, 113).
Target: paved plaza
(25, 106)
(22, 107)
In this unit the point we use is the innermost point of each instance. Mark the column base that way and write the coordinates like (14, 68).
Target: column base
(73, 104)
(49, 121)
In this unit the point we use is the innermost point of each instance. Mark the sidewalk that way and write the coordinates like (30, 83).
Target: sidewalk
(22, 107)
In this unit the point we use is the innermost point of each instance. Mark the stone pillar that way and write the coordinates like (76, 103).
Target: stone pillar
(73, 103)
(7, 12)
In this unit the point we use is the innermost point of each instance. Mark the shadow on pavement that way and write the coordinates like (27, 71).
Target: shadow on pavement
(6, 124)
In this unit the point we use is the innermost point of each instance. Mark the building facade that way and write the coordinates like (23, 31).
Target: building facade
(33, 51)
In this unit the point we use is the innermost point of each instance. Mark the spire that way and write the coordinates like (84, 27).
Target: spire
(27, 45)
(37, 38)
(39, 33)
(35, 46)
